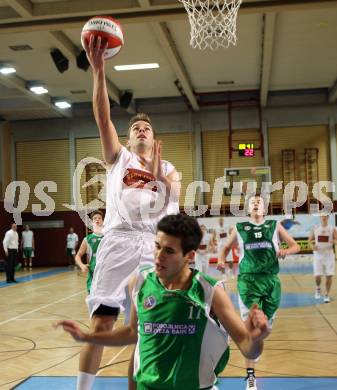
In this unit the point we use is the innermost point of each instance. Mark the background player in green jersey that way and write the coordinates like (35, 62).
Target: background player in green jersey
(180, 318)
(258, 282)
(89, 247)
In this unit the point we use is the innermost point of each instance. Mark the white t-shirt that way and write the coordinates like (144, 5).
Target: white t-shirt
(27, 238)
(72, 239)
(11, 240)
(323, 238)
(134, 201)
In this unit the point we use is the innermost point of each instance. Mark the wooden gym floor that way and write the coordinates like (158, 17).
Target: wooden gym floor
(301, 352)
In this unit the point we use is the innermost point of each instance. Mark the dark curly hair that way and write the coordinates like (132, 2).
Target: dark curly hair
(184, 227)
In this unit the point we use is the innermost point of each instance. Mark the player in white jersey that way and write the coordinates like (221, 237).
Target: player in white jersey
(27, 247)
(223, 233)
(322, 240)
(72, 242)
(203, 253)
(141, 188)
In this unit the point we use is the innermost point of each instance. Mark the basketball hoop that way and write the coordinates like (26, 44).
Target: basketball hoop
(213, 22)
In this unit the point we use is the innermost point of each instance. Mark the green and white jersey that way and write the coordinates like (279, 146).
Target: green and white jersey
(93, 241)
(180, 345)
(258, 247)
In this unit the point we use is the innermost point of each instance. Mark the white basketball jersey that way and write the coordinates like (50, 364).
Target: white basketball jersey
(205, 241)
(222, 234)
(134, 200)
(324, 238)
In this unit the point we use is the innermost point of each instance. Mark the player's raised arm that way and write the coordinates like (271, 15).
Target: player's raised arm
(248, 335)
(101, 106)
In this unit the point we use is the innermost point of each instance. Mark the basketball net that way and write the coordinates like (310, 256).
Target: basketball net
(213, 22)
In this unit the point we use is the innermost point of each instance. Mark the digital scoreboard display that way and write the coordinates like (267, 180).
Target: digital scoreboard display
(246, 150)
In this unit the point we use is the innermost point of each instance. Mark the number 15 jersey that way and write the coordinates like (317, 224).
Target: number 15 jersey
(258, 248)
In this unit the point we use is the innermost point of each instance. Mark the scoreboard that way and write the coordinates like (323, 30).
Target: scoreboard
(246, 150)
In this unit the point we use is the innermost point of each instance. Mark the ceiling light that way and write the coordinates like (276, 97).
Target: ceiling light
(62, 104)
(136, 66)
(39, 89)
(7, 69)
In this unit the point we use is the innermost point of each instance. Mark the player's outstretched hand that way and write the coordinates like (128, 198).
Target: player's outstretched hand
(257, 324)
(84, 268)
(282, 253)
(154, 164)
(221, 266)
(73, 329)
(95, 52)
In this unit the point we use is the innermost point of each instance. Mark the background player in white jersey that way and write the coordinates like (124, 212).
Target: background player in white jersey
(141, 188)
(322, 240)
(180, 318)
(223, 233)
(204, 251)
(258, 281)
(27, 247)
(72, 242)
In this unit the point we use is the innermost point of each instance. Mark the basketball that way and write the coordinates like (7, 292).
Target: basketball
(108, 29)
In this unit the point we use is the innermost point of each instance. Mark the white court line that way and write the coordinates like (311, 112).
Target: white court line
(41, 307)
(113, 359)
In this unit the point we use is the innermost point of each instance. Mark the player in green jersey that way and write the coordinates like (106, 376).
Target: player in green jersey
(258, 282)
(180, 318)
(89, 247)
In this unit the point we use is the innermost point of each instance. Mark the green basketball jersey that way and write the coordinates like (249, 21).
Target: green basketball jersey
(93, 241)
(180, 345)
(258, 247)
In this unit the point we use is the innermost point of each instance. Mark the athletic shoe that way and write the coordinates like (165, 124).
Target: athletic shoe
(318, 293)
(251, 382)
(326, 299)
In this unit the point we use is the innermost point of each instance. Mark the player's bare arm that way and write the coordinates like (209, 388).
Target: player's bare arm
(293, 247)
(232, 240)
(311, 241)
(80, 253)
(334, 237)
(101, 106)
(247, 335)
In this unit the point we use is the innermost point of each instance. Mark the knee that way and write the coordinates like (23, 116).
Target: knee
(102, 324)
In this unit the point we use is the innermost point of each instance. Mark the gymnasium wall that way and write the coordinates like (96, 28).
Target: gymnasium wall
(49, 159)
(179, 150)
(50, 243)
(215, 152)
(291, 127)
(6, 155)
(298, 138)
(6, 220)
(45, 160)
